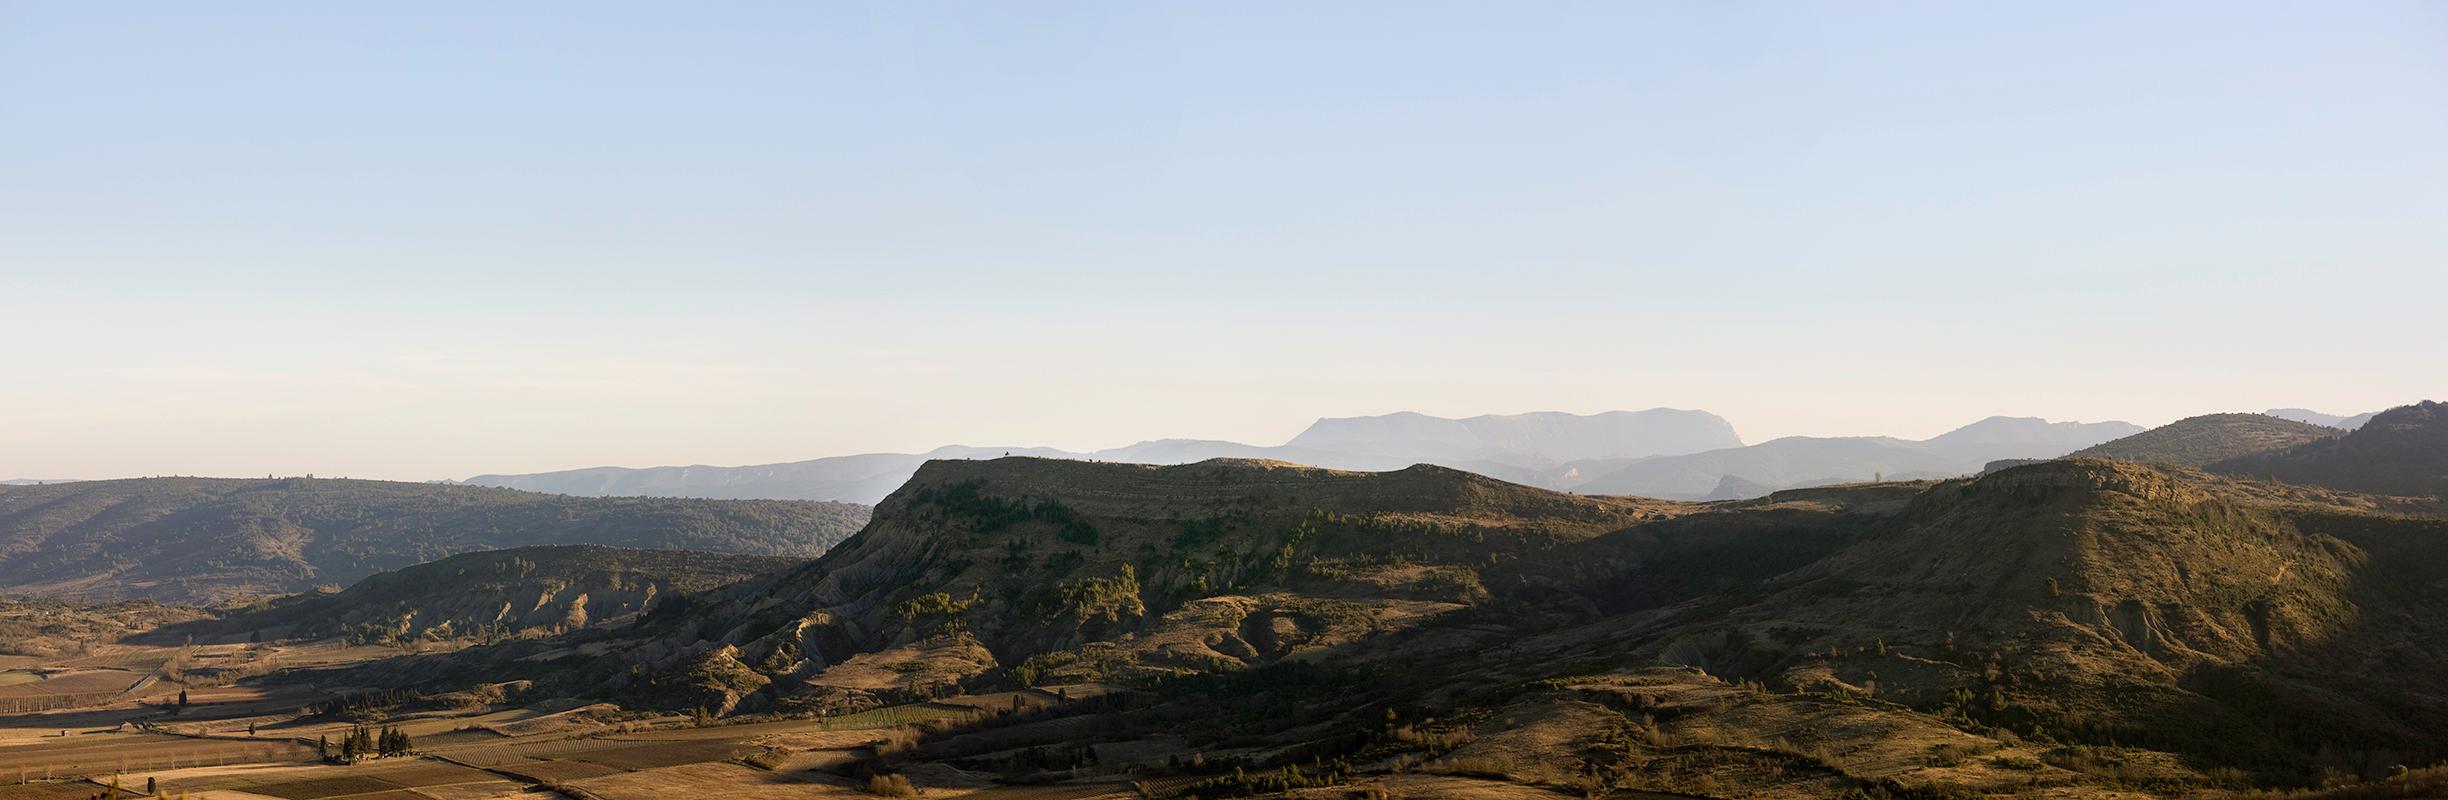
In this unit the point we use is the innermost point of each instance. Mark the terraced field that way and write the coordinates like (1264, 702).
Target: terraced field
(103, 754)
(404, 778)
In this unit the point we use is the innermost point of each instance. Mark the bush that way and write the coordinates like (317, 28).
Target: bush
(893, 785)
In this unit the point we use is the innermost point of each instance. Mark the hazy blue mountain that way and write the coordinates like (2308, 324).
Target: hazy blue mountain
(1516, 447)
(2024, 437)
(1775, 464)
(1798, 461)
(2325, 420)
(1534, 439)
(1660, 452)
(864, 478)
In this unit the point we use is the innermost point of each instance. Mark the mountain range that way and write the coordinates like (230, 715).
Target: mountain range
(1667, 453)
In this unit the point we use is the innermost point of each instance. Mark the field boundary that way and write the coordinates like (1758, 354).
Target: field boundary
(573, 791)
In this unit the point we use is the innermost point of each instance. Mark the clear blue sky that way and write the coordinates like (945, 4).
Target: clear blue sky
(434, 239)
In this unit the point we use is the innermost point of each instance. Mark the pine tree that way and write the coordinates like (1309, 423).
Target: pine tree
(322, 746)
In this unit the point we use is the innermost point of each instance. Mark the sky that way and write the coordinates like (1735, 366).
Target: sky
(433, 240)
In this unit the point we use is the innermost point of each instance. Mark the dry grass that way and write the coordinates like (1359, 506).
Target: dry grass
(891, 785)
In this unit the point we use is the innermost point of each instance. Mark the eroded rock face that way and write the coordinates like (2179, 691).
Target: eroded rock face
(1037, 557)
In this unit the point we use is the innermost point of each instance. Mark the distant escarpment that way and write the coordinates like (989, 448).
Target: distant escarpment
(204, 540)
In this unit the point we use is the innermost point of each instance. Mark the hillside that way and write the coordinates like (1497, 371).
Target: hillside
(2113, 614)
(1023, 558)
(208, 539)
(2209, 438)
(2084, 627)
(2401, 451)
(492, 594)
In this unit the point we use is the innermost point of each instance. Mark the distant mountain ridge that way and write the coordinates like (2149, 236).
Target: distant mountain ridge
(1524, 439)
(2324, 420)
(1800, 461)
(1661, 452)
(1508, 446)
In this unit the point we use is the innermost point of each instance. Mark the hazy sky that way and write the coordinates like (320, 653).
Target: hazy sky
(430, 240)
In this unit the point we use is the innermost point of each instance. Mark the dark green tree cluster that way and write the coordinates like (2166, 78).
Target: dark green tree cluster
(363, 742)
(394, 741)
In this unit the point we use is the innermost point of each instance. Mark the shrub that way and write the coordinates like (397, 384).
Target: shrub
(891, 785)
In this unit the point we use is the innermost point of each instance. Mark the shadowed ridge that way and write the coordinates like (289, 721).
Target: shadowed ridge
(2401, 451)
(2118, 600)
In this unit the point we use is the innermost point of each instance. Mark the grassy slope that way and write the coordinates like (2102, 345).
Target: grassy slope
(2210, 438)
(2401, 451)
